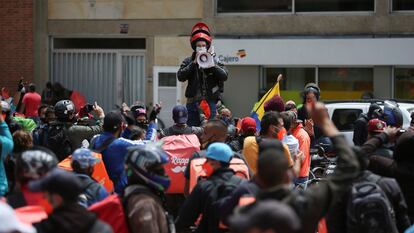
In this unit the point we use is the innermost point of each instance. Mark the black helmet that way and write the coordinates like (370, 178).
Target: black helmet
(311, 87)
(64, 108)
(34, 163)
(146, 163)
(392, 115)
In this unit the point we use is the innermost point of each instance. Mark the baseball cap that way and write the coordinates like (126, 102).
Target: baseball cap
(180, 114)
(84, 157)
(60, 182)
(248, 125)
(265, 215)
(376, 125)
(10, 222)
(138, 110)
(219, 151)
(112, 120)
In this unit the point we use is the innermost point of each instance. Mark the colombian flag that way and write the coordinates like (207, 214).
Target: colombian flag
(258, 109)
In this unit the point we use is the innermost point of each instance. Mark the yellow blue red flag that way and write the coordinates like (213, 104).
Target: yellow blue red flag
(258, 109)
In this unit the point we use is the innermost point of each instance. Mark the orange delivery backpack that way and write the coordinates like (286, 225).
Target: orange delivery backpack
(196, 170)
(179, 148)
(99, 174)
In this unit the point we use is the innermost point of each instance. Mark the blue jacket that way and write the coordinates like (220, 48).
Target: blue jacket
(6, 142)
(114, 158)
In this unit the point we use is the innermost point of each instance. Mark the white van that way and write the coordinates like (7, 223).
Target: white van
(345, 113)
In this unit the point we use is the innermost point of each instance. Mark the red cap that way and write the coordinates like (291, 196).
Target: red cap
(376, 125)
(248, 125)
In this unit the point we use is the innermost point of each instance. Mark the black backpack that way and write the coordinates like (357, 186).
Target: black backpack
(221, 190)
(369, 209)
(58, 141)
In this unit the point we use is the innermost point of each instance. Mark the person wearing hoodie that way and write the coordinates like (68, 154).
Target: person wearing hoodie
(62, 190)
(361, 124)
(114, 149)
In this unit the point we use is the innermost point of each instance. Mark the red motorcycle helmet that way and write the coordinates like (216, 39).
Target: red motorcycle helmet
(200, 27)
(200, 37)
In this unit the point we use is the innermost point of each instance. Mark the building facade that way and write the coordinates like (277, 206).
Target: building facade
(127, 50)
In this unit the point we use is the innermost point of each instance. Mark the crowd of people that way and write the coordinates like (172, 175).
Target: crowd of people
(77, 168)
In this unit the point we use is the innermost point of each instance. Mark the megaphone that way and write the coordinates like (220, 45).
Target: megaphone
(205, 60)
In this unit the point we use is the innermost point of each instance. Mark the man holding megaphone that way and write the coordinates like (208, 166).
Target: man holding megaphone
(205, 76)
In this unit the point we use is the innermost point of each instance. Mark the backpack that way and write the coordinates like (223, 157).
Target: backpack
(196, 171)
(58, 141)
(369, 209)
(91, 190)
(179, 149)
(111, 210)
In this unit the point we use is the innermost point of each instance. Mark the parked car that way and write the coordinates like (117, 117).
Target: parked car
(345, 112)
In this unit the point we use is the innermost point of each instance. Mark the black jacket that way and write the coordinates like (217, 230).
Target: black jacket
(361, 130)
(312, 204)
(209, 81)
(201, 201)
(402, 172)
(337, 217)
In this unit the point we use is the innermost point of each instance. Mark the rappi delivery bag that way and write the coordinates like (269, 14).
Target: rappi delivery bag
(179, 149)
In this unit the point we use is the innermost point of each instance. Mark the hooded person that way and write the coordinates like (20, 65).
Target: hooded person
(62, 190)
(205, 85)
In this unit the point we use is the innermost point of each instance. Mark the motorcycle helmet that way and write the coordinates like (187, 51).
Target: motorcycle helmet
(392, 114)
(201, 36)
(34, 163)
(146, 163)
(311, 87)
(63, 109)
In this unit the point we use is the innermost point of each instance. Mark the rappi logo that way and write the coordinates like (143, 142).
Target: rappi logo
(179, 164)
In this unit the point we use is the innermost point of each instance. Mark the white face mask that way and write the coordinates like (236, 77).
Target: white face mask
(201, 49)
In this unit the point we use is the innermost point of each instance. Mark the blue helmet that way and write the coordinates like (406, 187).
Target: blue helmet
(392, 114)
(146, 163)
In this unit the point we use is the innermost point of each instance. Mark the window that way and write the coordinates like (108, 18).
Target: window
(345, 83)
(403, 5)
(334, 5)
(344, 119)
(292, 84)
(167, 79)
(404, 83)
(249, 6)
(99, 43)
(275, 6)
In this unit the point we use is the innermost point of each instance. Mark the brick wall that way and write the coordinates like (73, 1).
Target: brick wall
(16, 42)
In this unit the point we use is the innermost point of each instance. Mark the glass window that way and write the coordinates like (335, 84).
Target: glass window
(345, 83)
(250, 6)
(402, 5)
(404, 83)
(167, 79)
(344, 119)
(292, 84)
(334, 5)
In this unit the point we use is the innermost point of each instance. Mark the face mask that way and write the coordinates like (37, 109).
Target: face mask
(142, 124)
(208, 169)
(201, 49)
(225, 119)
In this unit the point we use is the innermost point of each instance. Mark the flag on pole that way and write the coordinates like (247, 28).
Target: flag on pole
(258, 109)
